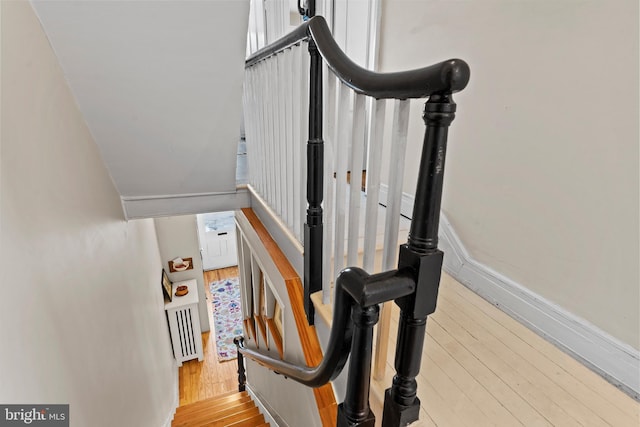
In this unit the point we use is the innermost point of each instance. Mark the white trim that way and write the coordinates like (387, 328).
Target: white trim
(276, 218)
(617, 362)
(176, 401)
(184, 204)
(263, 409)
(287, 242)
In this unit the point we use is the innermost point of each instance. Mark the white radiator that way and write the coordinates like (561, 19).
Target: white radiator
(184, 324)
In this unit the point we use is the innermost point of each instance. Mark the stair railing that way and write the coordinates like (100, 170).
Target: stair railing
(275, 78)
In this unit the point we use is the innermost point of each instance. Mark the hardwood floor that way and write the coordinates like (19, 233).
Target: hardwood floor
(480, 367)
(209, 378)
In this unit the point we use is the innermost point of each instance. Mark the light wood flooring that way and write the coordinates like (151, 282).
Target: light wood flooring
(209, 378)
(481, 368)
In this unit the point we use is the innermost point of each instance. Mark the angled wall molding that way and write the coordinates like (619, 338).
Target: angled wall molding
(184, 204)
(616, 361)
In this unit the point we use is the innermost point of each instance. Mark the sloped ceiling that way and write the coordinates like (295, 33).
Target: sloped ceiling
(160, 86)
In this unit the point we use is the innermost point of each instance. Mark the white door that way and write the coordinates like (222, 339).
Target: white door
(217, 233)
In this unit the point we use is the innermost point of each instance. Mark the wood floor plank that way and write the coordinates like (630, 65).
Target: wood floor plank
(455, 397)
(478, 393)
(582, 403)
(500, 388)
(502, 360)
(595, 391)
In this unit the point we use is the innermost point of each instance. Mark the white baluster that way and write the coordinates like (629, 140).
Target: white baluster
(249, 119)
(304, 131)
(329, 183)
(342, 144)
(273, 146)
(373, 185)
(357, 153)
(298, 142)
(278, 160)
(260, 129)
(288, 103)
(392, 222)
(394, 195)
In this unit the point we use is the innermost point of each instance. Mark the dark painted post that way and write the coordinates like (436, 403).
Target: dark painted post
(354, 411)
(242, 378)
(421, 254)
(315, 168)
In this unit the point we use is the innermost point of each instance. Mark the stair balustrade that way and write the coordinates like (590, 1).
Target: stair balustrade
(303, 87)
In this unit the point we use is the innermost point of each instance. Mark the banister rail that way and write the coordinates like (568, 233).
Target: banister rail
(357, 297)
(413, 286)
(445, 77)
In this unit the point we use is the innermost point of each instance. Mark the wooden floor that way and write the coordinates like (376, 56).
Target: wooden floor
(480, 368)
(209, 378)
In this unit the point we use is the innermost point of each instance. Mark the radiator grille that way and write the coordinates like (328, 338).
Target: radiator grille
(185, 332)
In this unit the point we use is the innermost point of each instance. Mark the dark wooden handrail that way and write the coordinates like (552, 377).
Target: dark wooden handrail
(354, 287)
(445, 77)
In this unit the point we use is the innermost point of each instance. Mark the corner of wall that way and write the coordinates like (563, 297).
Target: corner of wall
(176, 400)
(614, 360)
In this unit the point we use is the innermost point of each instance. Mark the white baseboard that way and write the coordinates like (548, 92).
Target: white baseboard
(184, 204)
(176, 402)
(616, 361)
(263, 409)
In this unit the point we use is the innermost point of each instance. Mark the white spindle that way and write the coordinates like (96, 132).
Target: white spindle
(281, 122)
(342, 143)
(261, 137)
(278, 149)
(304, 132)
(357, 153)
(249, 119)
(266, 135)
(394, 194)
(275, 187)
(392, 222)
(329, 183)
(288, 89)
(296, 78)
(373, 186)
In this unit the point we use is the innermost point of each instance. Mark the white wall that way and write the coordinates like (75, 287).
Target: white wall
(542, 168)
(178, 237)
(82, 305)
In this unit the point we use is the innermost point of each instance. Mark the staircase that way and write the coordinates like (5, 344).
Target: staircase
(227, 410)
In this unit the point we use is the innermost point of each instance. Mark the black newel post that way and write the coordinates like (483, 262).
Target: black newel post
(421, 254)
(315, 168)
(354, 411)
(242, 378)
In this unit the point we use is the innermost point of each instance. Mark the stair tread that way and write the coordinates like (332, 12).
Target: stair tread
(234, 418)
(211, 415)
(250, 422)
(214, 401)
(213, 406)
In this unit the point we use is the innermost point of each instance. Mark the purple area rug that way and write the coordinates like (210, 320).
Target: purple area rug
(227, 316)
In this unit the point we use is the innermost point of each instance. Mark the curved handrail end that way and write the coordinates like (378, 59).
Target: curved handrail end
(455, 74)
